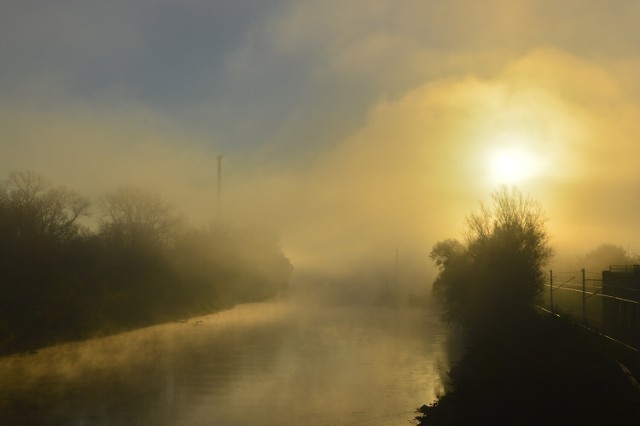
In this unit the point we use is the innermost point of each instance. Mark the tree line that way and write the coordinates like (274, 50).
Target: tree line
(61, 280)
(519, 366)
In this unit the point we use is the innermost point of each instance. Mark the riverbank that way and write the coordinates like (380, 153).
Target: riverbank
(545, 371)
(101, 328)
(62, 282)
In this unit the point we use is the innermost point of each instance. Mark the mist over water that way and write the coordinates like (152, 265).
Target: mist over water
(209, 154)
(272, 363)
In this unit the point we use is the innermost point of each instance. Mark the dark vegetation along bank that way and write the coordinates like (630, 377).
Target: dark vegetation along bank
(61, 281)
(520, 366)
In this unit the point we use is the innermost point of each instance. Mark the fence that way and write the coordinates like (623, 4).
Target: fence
(607, 302)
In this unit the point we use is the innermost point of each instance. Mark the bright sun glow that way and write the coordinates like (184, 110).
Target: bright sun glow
(513, 163)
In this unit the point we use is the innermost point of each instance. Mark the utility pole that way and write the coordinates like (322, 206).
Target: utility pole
(397, 278)
(219, 192)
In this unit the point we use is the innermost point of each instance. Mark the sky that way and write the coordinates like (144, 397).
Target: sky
(351, 128)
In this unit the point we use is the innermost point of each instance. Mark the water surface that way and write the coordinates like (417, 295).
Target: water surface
(273, 363)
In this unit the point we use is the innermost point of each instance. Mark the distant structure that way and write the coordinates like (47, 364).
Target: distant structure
(219, 189)
(397, 280)
(621, 303)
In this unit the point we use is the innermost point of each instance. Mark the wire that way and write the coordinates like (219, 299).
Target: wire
(594, 293)
(561, 285)
(636, 350)
(608, 296)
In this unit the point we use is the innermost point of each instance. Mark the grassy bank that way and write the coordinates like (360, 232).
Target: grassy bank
(545, 370)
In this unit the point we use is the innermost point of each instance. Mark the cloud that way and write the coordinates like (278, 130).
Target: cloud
(351, 128)
(418, 165)
(406, 177)
(94, 151)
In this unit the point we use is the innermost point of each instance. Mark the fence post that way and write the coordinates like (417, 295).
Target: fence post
(584, 298)
(638, 321)
(551, 290)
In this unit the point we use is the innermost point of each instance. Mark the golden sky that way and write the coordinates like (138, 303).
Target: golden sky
(350, 127)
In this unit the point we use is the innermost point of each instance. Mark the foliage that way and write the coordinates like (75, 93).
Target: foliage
(495, 276)
(243, 256)
(30, 208)
(519, 367)
(603, 256)
(555, 373)
(134, 215)
(60, 281)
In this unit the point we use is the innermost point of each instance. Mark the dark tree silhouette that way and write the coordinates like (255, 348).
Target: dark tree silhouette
(518, 367)
(496, 275)
(38, 229)
(30, 208)
(60, 281)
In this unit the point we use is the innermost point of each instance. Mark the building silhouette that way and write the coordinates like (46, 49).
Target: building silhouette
(620, 304)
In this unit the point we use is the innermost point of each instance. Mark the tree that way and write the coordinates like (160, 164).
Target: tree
(30, 208)
(60, 281)
(225, 264)
(134, 215)
(38, 232)
(603, 256)
(446, 251)
(496, 276)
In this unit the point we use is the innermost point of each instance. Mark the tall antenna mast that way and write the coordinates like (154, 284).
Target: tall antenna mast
(397, 280)
(219, 193)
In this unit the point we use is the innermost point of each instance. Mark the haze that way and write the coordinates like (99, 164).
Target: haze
(351, 129)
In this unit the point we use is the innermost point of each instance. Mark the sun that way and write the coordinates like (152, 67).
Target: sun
(513, 162)
(511, 165)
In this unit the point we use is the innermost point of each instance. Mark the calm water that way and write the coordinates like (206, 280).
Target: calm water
(262, 364)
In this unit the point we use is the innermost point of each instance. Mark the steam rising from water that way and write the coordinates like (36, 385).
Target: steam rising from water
(302, 363)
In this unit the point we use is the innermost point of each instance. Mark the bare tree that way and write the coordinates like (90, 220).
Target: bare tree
(31, 207)
(134, 214)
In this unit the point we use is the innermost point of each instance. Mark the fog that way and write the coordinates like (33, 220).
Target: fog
(378, 140)
(356, 136)
(405, 179)
(279, 362)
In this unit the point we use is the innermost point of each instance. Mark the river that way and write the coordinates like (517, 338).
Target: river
(276, 363)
